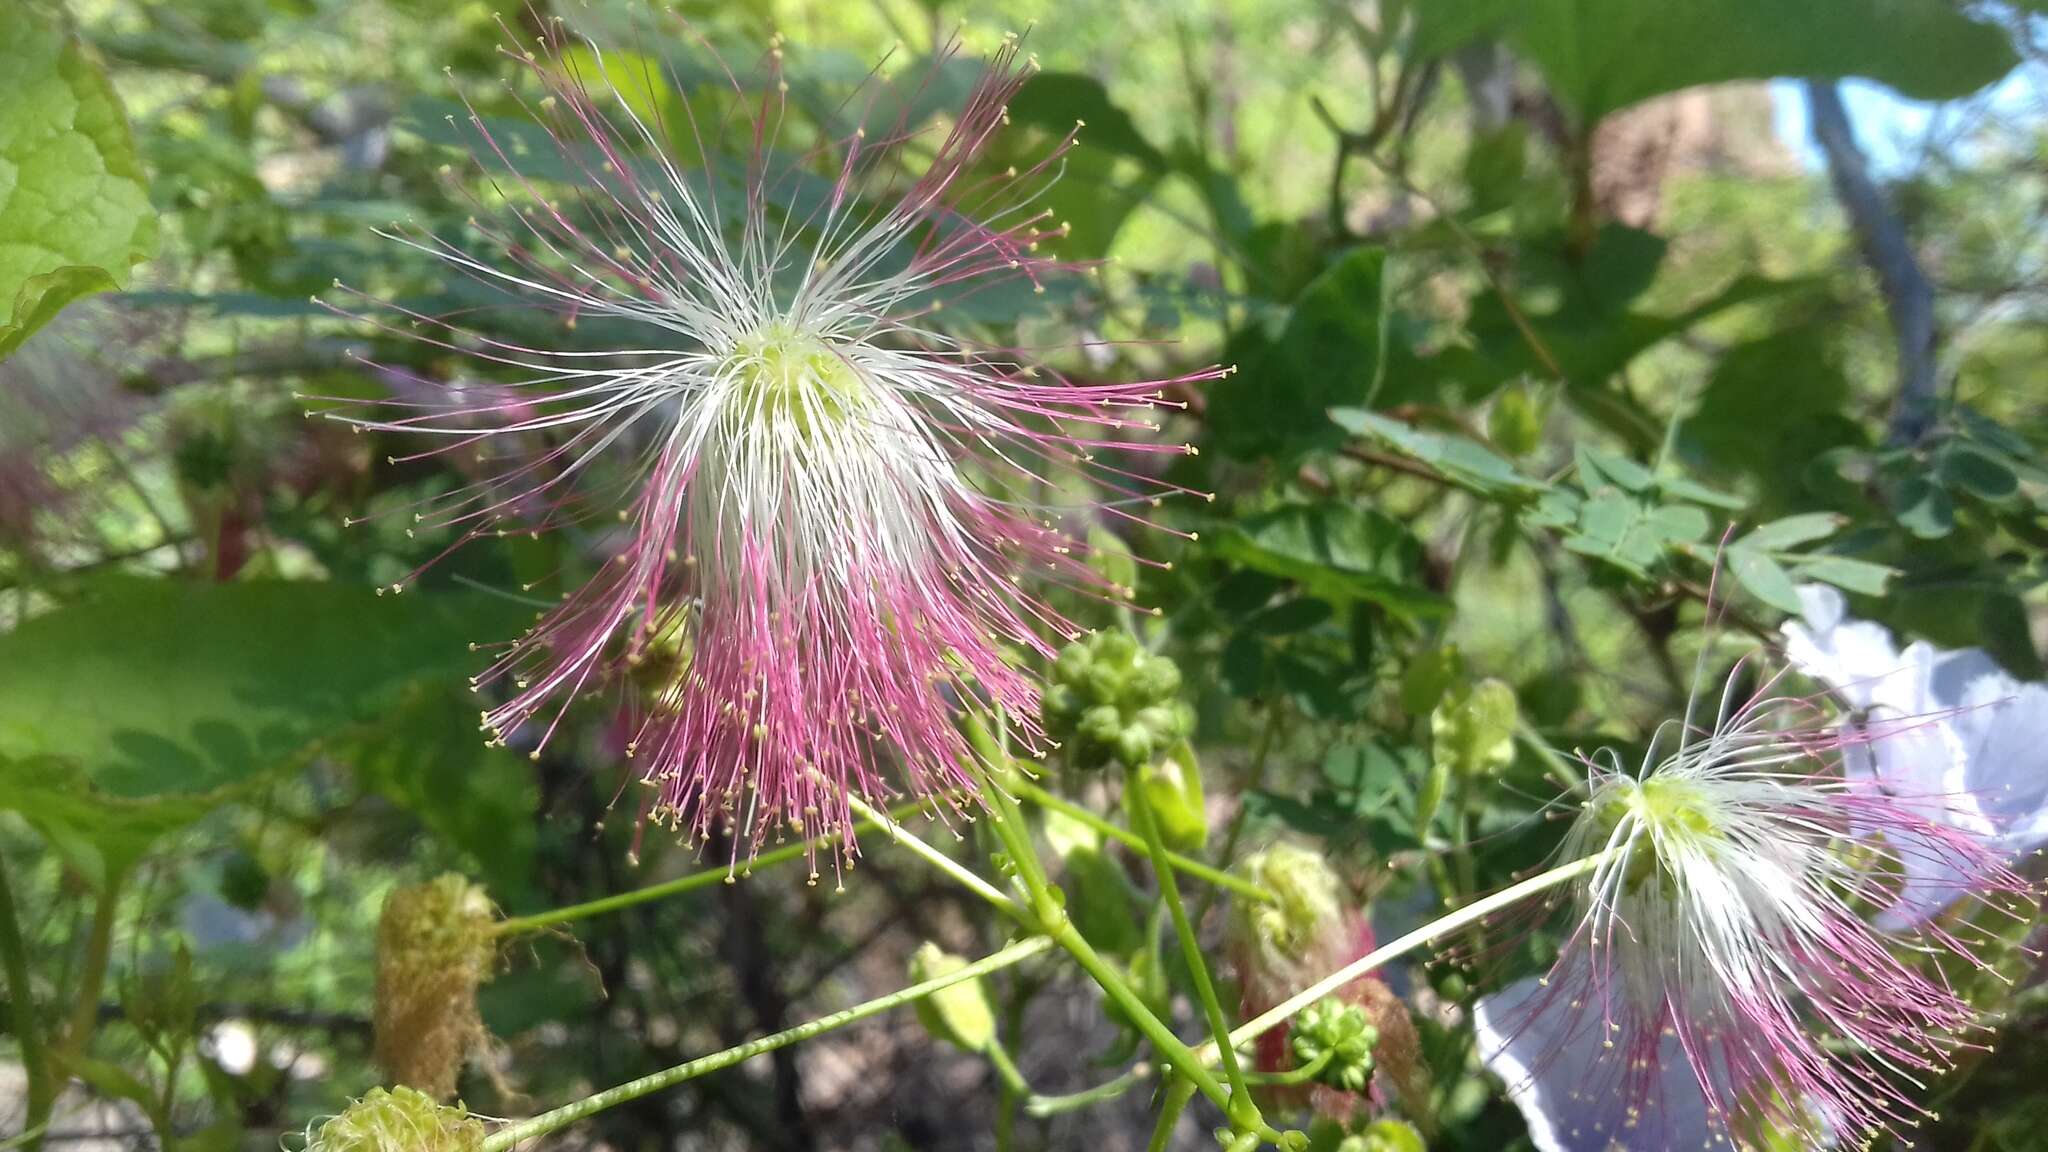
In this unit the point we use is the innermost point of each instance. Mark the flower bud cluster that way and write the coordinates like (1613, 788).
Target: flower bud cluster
(1111, 701)
(1336, 1032)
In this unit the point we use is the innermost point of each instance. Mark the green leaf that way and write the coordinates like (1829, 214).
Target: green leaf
(1791, 531)
(1327, 355)
(1494, 166)
(1765, 578)
(1472, 730)
(1056, 101)
(1977, 471)
(1598, 466)
(74, 206)
(161, 687)
(1337, 552)
(1464, 461)
(1850, 575)
(1923, 508)
(425, 755)
(99, 835)
(1601, 55)
(1677, 523)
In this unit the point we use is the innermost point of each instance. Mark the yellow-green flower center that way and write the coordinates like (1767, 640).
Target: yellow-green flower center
(1670, 812)
(786, 378)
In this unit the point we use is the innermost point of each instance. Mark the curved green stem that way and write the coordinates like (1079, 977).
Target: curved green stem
(1042, 1106)
(515, 925)
(1243, 1113)
(1185, 865)
(512, 1134)
(1292, 1076)
(28, 1038)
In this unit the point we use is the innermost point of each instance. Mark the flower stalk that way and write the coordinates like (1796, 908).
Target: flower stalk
(1427, 934)
(1243, 1112)
(705, 878)
(512, 1134)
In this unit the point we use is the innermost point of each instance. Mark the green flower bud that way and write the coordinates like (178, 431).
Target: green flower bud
(434, 949)
(1472, 729)
(1071, 668)
(1101, 724)
(1385, 1135)
(399, 1120)
(1173, 788)
(1134, 744)
(1060, 701)
(1339, 1033)
(960, 1014)
(1111, 701)
(1290, 933)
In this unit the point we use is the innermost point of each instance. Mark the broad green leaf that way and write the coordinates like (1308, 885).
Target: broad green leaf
(1765, 578)
(1770, 408)
(1056, 101)
(1601, 55)
(74, 205)
(99, 835)
(425, 755)
(1328, 355)
(1338, 552)
(1791, 531)
(157, 687)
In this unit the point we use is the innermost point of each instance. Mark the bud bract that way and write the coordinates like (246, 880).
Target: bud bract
(958, 1014)
(398, 1120)
(434, 949)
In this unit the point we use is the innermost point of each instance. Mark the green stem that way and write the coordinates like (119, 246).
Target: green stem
(1042, 1106)
(1436, 929)
(42, 1094)
(1253, 778)
(1014, 1089)
(1185, 865)
(1178, 1093)
(1301, 1075)
(937, 859)
(1190, 947)
(99, 944)
(512, 1134)
(1047, 914)
(1560, 769)
(515, 925)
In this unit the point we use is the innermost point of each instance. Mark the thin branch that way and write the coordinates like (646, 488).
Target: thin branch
(1908, 297)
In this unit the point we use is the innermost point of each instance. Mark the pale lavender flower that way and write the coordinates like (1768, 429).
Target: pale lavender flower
(1965, 739)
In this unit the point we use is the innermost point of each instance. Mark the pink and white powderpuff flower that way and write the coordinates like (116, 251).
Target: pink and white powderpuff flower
(837, 506)
(1723, 927)
(1970, 741)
